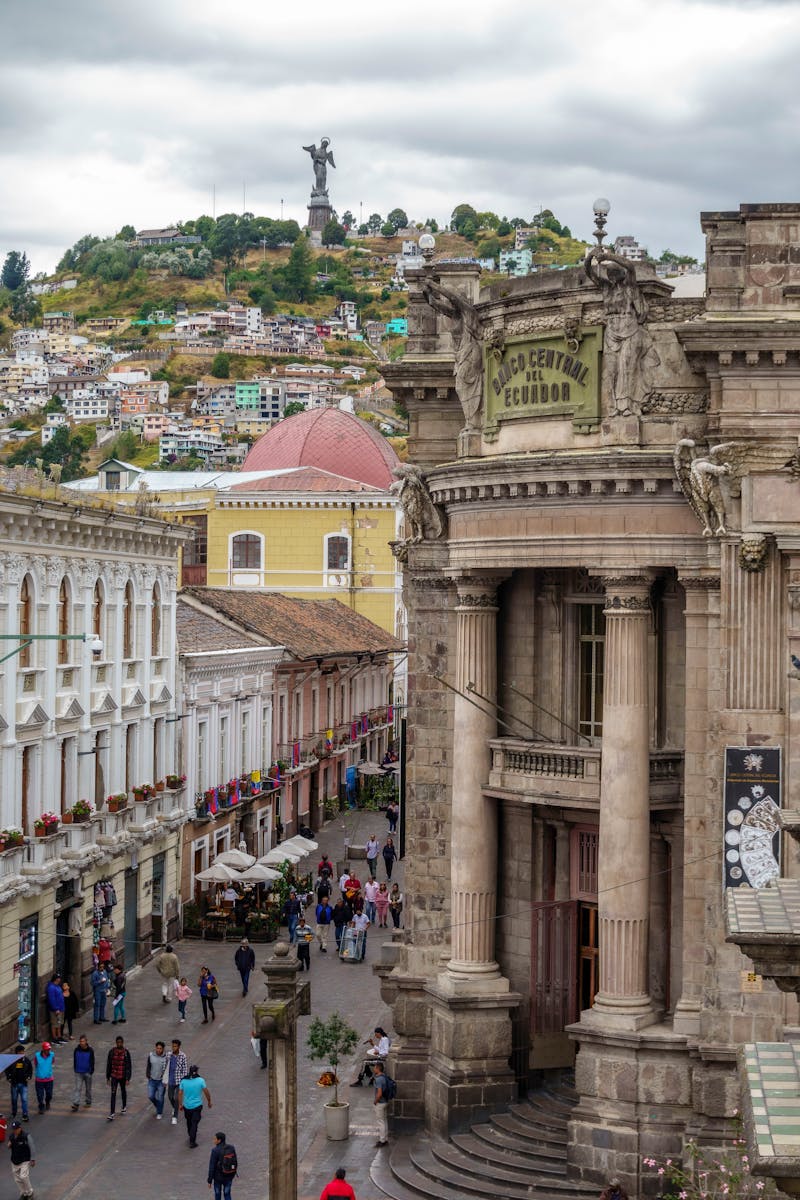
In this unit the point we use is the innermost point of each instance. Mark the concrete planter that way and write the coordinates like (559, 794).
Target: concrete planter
(337, 1121)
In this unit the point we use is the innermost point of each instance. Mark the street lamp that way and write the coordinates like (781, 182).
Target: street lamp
(95, 642)
(427, 245)
(601, 208)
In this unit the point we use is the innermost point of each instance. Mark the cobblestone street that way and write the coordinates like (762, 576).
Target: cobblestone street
(81, 1156)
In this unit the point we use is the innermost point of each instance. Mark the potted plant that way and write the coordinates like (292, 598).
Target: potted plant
(175, 781)
(14, 837)
(160, 785)
(117, 801)
(138, 792)
(46, 824)
(330, 1041)
(81, 810)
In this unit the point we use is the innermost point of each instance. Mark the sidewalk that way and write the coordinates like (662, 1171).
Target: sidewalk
(80, 1156)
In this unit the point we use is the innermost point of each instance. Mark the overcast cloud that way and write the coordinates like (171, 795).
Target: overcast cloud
(113, 114)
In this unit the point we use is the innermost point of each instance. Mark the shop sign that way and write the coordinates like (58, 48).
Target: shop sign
(752, 817)
(545, 377)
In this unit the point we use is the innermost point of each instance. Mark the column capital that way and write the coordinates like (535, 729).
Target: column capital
(695, 582)
(478, 591)
(627, 592)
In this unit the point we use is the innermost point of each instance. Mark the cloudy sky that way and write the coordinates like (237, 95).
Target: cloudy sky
(115, 113)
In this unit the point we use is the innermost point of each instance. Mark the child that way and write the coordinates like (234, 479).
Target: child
(183, 992)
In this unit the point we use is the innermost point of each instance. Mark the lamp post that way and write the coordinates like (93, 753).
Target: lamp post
(25, 639)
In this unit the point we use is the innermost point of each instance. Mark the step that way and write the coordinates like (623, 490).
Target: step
(499, 1140)
(528, 1131)
(424, 1163)
(457, 1154)
(492, 1150)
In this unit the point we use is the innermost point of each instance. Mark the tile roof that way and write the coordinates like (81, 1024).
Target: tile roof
(200, 631)
(328, 438)
(304, 479)
(308, 628)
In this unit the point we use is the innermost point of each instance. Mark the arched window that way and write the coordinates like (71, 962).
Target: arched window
(98, 611)
(25, 619)
(246, 552)
(337, 552)
(127, 621)
(155, 622)
(64, 630)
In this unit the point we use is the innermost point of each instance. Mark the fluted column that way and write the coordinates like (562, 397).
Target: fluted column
(474, 819)
(624, 853)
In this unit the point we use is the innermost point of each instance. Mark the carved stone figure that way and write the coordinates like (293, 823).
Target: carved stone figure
(628, 348)
(753, 552)
(699, 475)
(423, 518)
(469, 347)
(320, 157)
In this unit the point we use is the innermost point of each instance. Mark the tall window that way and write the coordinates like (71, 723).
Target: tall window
(337, 552)
(202, 754)
(25, 619)
(28, 774)
(244, 753)
(223, 746)
(592, 632)
(127, 621)
(158, 741)
(155, 622)
(63, 621)
(246, 552)
(98, 611)
(130, 757)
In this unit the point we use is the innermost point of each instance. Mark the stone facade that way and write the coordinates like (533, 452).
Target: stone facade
(611, 605)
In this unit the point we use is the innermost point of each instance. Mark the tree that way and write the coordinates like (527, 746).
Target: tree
(387, 229)
(374, 223)
(126, 234)
(489, 248)
(348, 220)
(488, 220)
(504, 228)
(298, 274)
(333, 234)
(293, 408)
(16, 270)
(221, 365)
(468, 230)
(67, 449)
(397, 219)
(363, 229)
(432, 224)
(331, 1041)
(461, 214)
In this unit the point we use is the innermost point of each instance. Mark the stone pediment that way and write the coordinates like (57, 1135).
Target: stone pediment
(103, 702)
(68, 708)
(159, 693)
(132, 697)
(30, 714)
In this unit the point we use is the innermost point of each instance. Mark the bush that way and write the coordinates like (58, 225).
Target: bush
(330, 1041)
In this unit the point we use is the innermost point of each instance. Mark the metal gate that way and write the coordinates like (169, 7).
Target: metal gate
(554, 960)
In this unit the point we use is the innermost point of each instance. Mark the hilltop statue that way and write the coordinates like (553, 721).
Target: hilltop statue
(628, 346)
(469, 347)
(320, 157)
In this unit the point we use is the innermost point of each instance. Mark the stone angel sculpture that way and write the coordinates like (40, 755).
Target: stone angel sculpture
(320, 157)
(424, 519)
(699, 474)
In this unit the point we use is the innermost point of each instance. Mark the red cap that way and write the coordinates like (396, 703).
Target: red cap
(46, 1046)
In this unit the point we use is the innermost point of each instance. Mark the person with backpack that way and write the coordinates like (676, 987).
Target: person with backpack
(223, 1166)
(23, 1157)
(43, 1062)
(324, 915)
(384, 1092)
(19, 1075)
(83, 1067)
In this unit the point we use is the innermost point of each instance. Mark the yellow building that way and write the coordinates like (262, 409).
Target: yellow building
(309, 515)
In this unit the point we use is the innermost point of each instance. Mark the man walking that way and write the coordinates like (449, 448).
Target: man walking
(18, 1075)
(83, 1066)
(22, 1159)
(154, 1073)
(292, 911)
(191, 1092)
(373, 846)
(119, 984)
(43, 1062)
(324, 915)
(222, 1167)
(338, 1188)
(361, 922)
(55, 1009)
(380, 1102)
(169, 969)
(119, 1070)
(370, 892)
(176, 1070)
(341, 915)
(99, 982)
(303, 940)
(245, 960)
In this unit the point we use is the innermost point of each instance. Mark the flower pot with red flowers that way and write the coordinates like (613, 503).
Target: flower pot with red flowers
(81, 811)
(46, 824)
(14, 837)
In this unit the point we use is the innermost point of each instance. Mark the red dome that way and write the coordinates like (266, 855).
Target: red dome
(330, 439)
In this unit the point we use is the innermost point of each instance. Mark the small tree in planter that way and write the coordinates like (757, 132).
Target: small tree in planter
(330, 1041)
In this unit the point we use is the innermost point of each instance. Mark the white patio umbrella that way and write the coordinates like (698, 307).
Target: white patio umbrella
(278, 855)
(218, 873)
(299, 840)
(258, 873)
(235, 858)
(295, 846)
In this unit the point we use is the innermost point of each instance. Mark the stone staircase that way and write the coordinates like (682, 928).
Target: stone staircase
(519, 1154)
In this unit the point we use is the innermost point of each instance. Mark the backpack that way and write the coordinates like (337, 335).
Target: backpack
(229, 1164)
(390, 1090)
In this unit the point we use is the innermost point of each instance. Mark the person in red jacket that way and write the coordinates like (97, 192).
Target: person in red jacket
(338, 1188)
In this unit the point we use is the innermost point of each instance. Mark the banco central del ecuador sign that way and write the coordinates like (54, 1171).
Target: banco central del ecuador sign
(545, 377)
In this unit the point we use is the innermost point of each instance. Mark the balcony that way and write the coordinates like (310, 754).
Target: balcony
(569, 776)
(11, 861)
(44, 853)
(78, 836)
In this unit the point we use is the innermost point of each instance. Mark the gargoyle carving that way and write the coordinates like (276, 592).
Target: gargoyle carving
(424, 519)
(699, 473)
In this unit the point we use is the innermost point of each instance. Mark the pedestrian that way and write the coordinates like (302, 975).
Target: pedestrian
(222, 1167)
(245, 960)
(119, 984)
(23, 1157)
(614, 1191)
(381, 1103)
(391, 815)
(395, 904)
(154, 1073)
(18, 1075)
(292, 911)
(55, 1009)
(191, 1092)
(262, 1047)
(352, 887)
(119, 1070)
(105, 954)
(304, 936)
(338, 1188)
(389, 856)
(43, 1064)
(177, 1069)
(370, 894)
(169, 969)
(382, 906)
(379, 1046)
(99, 982)
(71, 1008)
(182, 992)
(83, 1066)
(325, 867)
(372, 848)
(324, 915)
(209, 992)
(343, 878)
(342, 914)
(361, 924)
(323, 888)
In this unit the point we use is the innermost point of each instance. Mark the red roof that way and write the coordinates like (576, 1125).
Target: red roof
(303, 479)
(330, 439)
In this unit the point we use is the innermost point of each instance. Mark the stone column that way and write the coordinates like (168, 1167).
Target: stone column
(474, 819)
(624, 854)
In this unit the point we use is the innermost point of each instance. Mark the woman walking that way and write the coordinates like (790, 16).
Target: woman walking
(70, 1009)
(389, 856)
(382, 906)
(209, 992)
(395, 904)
